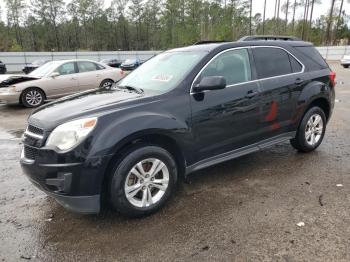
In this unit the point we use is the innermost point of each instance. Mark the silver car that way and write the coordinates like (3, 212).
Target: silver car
(56, 79)
(345, 61)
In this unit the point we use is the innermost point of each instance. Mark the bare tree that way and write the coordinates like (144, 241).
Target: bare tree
(338, 21)
(293, 19)
(263, 25)
(287, 7)
(329, 23)
(250, 17)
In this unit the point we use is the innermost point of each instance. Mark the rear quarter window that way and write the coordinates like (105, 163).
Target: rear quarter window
(311, 57)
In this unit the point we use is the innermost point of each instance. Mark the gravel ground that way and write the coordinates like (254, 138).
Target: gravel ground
(246, 209)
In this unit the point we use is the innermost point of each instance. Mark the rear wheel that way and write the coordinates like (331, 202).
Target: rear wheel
(311, 130)
(106, 84)
(32, 97)
(143, 181)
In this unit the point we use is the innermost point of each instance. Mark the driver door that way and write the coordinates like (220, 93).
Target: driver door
(226, 119)
(66, 82)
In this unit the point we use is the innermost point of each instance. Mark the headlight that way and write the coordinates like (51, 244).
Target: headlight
(70, 134)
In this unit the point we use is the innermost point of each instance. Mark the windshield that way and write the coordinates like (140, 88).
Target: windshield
(163, 72)
(130, 61)
(43, 70)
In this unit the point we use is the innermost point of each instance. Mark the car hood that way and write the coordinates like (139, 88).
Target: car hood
(346, 57)
(8, 80)
(88, 103)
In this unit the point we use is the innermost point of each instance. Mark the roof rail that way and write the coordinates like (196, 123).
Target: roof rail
(209, 42)
(268, 38)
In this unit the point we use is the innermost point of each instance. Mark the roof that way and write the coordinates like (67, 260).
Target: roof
(208, 47)
(70, 60)
(269, 38)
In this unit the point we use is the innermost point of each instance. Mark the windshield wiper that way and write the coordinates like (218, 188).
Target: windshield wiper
(132, 88)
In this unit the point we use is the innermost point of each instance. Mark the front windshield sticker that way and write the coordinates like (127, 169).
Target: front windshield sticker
(162, 78)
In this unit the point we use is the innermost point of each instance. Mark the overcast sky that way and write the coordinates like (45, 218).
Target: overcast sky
(258, 7)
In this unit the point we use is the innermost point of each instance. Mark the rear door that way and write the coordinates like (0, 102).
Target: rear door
(281, 78)
(89, 75)
(226, 119)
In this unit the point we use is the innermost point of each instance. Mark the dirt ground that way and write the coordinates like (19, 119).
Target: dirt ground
(246, 209)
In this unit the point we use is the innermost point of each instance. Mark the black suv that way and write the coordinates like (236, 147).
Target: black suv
(3, 69)
(181, 111)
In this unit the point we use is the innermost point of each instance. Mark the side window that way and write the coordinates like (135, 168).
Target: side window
(233, 65)
(86, 66)
(271, 62)
(66, 69)
(296, 66)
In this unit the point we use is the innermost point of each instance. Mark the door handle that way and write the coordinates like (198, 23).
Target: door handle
(73, 78)
(98, 75)
(299, 81)
(251, 94)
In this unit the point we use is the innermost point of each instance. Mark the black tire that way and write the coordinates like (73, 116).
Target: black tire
(345, 66)
(300, 141)
(106, 84)
(34, 91)
(119, 174)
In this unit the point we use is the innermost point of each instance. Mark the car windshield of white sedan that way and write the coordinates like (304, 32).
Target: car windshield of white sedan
(43, 70)
(163, 72)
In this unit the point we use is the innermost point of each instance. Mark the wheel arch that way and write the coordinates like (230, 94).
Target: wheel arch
(322, 103)
(106, 79)
(36, 87)
(135, 140)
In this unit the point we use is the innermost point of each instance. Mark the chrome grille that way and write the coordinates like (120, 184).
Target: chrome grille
(35, 130)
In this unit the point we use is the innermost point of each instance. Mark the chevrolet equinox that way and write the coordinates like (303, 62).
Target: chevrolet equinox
(183, 110)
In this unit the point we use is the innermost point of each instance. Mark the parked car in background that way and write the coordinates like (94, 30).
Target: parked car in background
(130, 64)
(345, 61)
(34, 65)
(112, 62)
(56, 79)
(3, 69)
(183, 110)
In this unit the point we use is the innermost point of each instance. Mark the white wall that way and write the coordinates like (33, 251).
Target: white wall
(16, 60)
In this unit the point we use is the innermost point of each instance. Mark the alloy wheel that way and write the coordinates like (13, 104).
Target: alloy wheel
(34, 98)
(146, 182)
(314, 129)
(107, 84)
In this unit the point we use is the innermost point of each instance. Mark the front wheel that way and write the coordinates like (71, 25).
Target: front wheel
(311, 130)
(32, 97)
(143, 181)
(345, 66)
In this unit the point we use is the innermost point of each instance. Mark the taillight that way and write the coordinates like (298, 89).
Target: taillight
(332, 78)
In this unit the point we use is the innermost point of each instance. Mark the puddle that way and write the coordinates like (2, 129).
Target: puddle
(11, 134)
(16, 133)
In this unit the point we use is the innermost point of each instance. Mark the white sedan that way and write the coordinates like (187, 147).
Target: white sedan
(56, 79)
(345, 61)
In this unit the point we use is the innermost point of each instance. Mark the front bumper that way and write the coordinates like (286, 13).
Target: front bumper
(9, 98)
(76, 186)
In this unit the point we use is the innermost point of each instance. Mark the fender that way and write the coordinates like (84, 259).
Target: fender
(131, 126)
(311, 92)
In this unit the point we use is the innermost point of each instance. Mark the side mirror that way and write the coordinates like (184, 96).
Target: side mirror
(210, 83)
(54, 74)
